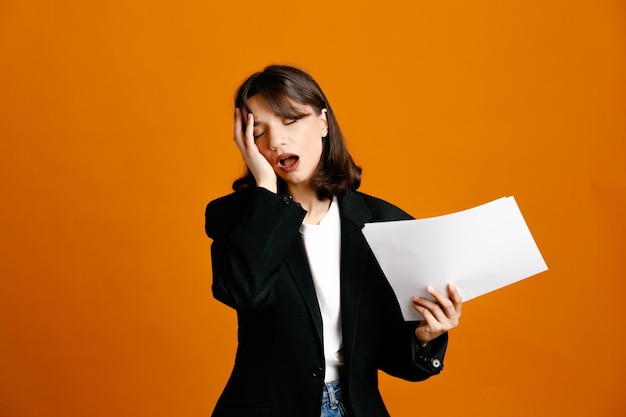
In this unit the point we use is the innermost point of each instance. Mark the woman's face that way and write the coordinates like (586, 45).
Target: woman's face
(292, 146)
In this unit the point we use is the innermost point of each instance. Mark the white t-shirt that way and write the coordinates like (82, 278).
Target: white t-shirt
(323, 247)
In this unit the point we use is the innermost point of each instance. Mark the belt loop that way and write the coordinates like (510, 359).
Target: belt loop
(332, 400)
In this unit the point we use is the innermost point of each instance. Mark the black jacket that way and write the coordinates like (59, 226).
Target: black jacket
(260, 269)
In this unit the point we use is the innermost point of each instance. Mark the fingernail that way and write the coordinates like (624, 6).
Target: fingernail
(452, 286)
(430, 289)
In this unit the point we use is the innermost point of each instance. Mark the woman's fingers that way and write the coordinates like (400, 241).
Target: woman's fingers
(444, 308)
(238, 131)
(250, 130)
(426, 312)
(430, 309)
(244, 137)
(440, 314)
(446, 311)
(456, 298)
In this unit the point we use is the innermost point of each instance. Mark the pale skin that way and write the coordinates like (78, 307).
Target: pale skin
(269, 136)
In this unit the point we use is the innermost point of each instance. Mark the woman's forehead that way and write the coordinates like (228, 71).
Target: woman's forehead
(281, 106)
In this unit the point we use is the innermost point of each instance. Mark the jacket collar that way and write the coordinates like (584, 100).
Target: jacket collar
(354, 209)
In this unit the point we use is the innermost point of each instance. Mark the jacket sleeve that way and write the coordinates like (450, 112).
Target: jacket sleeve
(404, 358)
(401, 356)
(251, 233)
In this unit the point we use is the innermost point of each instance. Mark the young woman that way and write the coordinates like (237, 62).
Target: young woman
(317, 317)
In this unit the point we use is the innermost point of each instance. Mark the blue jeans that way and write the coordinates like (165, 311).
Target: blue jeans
(332, 405)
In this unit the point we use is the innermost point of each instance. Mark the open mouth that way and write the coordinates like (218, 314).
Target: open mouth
(288, 160)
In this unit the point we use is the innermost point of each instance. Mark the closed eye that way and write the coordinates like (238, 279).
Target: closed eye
(258, 136)
(295, 118)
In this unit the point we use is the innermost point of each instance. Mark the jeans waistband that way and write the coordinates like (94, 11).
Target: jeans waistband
(332, 392)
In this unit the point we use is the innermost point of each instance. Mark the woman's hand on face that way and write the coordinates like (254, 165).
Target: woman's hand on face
(259, 166)
(440, 315)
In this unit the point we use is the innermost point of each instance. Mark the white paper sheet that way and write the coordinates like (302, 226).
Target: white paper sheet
(479, 250)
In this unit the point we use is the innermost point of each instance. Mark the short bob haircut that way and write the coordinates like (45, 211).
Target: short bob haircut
(336, 173)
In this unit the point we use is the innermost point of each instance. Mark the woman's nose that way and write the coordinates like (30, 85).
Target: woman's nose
(278, 137)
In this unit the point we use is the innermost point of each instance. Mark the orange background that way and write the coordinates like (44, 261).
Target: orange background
(115, 124)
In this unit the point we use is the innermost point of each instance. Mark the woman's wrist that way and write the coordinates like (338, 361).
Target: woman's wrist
(268, 186)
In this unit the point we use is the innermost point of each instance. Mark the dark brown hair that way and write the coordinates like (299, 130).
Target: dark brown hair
(277, 84)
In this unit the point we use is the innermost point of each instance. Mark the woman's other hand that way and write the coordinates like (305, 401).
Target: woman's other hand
(440, 315)
(261, 169)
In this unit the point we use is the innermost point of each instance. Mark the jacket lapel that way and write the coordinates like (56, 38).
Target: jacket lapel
(298, 264)
(354, 251)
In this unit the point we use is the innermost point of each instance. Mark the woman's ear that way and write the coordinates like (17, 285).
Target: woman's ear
(324, 122)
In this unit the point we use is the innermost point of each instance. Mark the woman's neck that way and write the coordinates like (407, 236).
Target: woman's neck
(315, 208)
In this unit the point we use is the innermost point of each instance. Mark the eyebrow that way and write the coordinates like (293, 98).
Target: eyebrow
(293, 112)
(295, 115)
